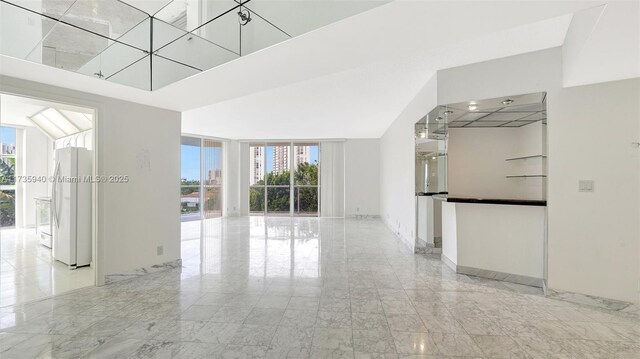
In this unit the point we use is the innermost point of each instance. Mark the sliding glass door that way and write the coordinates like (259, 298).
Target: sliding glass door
(201, 191)
(284, 178)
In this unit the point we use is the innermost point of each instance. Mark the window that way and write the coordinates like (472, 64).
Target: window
(212, 181)
(284, 178)
(7, 176)
(256, 179)
(305, 178)
(190, 179)
(201, 178)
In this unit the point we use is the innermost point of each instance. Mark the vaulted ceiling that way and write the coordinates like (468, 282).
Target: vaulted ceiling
(352, 78)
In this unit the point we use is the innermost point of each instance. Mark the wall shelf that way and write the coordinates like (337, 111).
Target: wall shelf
(527, 176)
(525, 157)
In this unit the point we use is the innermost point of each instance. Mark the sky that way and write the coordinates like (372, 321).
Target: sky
(190, 160)
(7, 135)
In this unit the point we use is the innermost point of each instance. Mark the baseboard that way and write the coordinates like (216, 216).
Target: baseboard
(113, 278)
(501, 276)
(363, 216)
(593, 301)
(489, 274)
(449, 263)
(409, 243)
(422, 247)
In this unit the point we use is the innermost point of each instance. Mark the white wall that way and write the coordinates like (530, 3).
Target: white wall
(594, 238)
(36, 160)
(397, 166)
(362, 177)
(137, 217)
(478, 168)
(144, 143)
(499, 238)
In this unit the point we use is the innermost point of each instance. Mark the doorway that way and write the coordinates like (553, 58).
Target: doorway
(46, 223)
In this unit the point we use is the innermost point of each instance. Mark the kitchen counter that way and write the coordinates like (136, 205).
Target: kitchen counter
(497, 239)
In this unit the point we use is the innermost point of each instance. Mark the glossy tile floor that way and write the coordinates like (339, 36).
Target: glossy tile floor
(29, 272)
(298, 288)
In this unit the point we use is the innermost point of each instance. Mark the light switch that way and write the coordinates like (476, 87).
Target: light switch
(585, 186)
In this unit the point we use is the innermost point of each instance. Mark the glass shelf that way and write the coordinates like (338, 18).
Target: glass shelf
(527, 176)
(525, 157)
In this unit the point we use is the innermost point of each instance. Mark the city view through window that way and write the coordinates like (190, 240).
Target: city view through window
(284, 178)
(201, 178)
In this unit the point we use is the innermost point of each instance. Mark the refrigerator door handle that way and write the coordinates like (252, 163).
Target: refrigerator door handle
(54, 194)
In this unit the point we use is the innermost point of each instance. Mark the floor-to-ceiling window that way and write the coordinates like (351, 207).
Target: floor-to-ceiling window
(306, 184)
(256, 178)
(212, 178)
(190, 169)
(201, 194)
(7, 177)
(284, 178)
(278, 178)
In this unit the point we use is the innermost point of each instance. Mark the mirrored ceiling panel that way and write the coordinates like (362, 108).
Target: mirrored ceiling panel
(196, 52)
(149, 6)
(111, 19)
(68, 47)
(189, 15)
(296, 17)
(510, 111)
(114, 39)
(54, 9)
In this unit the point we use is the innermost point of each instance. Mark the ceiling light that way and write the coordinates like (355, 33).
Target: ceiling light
(448, 112)
(438, 118)
(433, 158)
(472, 107)
(507, 101)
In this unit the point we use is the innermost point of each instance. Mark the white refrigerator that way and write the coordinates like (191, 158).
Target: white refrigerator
(71, 206)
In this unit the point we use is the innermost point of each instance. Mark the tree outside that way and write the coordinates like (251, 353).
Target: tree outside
(305, 198)
(7, 197)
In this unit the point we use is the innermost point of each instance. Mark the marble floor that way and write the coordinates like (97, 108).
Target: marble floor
(28, 271)
(309, 288)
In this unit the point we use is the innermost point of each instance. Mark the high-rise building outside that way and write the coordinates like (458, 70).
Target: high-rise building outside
(256, 171)
(302, 154)
(280, 159)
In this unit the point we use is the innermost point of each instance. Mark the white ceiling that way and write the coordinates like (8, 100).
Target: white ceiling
(348, 79)
(15, 110)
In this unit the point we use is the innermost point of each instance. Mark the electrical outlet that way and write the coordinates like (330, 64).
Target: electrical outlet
(585, 186)
(160, 250)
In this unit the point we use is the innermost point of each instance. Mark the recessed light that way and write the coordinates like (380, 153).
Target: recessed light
(433, 158)
(438, 118)
(507, 101)
(448, 112)
(472, 107)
